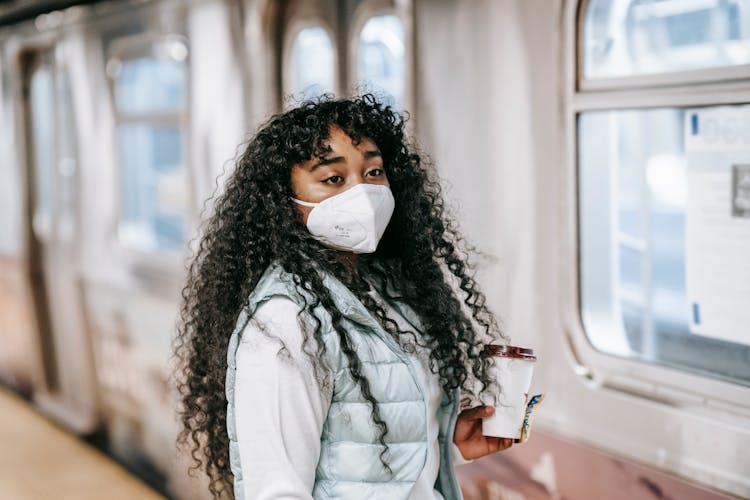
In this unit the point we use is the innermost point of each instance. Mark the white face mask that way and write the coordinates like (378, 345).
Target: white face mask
(354, 220)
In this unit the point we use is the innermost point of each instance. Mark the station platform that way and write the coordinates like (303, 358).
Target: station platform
(41, 461)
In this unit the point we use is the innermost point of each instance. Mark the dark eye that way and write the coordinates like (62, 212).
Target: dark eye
(376, 172)
(334, 179)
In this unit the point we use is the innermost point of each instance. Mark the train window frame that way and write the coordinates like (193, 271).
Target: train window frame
(366, 11)
(129, 48)
(601, 370)
(295, 26)
(709, 75)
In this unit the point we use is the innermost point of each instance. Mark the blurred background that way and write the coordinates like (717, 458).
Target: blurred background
(597, 152)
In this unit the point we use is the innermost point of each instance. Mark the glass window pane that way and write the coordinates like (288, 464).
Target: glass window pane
(11, 243)
(637, 37)
(634, 202)
(380, 60)
(67, 148)
(150, 85)
(43, 140)
(153, 190)
(311, 70)
(150, 95)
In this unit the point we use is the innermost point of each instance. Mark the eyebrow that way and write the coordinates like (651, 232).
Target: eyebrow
(373, 153)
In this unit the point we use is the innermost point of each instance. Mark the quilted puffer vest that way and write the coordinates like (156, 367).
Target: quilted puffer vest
(349, 466)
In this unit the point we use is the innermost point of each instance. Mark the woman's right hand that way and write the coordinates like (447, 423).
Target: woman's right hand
(469, 438)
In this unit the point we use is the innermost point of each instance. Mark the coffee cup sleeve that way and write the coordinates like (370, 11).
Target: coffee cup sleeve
(531, 407)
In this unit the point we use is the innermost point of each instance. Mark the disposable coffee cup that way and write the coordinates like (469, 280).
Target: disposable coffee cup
(513, 369)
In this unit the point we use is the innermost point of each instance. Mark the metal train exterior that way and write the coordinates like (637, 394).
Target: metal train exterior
(119, 118)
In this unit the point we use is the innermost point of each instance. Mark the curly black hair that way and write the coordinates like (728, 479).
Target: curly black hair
(254, 222)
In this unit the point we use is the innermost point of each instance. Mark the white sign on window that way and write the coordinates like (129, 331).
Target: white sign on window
(717, 144)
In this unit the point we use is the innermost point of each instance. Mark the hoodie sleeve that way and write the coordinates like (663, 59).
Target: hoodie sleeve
(280, 407)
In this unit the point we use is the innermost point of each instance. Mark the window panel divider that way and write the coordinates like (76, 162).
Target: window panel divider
(150, 118)
(715, 95)
(672, 80)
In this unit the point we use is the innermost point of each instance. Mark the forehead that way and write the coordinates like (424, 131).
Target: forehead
(336, 147)
(338, 140)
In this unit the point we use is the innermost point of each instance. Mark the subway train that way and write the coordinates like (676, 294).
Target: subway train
(596, 152)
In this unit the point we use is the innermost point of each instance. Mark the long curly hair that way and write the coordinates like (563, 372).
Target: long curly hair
(422, 256)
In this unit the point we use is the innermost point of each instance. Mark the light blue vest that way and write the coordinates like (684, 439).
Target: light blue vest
(349, 466)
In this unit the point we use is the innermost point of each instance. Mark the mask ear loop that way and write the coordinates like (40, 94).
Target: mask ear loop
(305, 203)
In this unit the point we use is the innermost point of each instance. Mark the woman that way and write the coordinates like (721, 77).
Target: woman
(330, 320)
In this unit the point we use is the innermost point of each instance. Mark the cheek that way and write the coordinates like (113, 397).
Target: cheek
(304, 212)
(299, 182)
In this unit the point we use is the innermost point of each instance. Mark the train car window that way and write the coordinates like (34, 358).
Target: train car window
(663, 186)
(636, 37)
(380, 57)
(67, 151)
(10, 183)
(152, 185)
(640, 283)
(42, 107)
(149, 85)
(311, 69)
(150, 91)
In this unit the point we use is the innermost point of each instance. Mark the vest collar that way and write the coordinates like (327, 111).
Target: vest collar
(345, 301)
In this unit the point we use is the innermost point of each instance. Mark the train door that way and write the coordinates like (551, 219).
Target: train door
(20, 366)
(138, 211)
(53, 236)
(168, 104)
